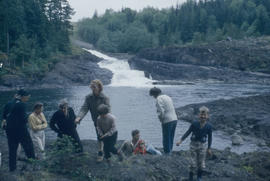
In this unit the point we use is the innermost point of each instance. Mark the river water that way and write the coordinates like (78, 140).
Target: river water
(135, 109)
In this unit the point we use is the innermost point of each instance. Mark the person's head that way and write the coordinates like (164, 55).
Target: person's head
(103, 109)
(135, 134)
(155, 92)
(63, 105)
(23, 95)
(96, 86)
(203, 113)
(38, 107)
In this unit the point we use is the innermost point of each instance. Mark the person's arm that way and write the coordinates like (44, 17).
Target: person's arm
(112, 130)
(98, 127)
(53, 123)
(83, 111)
(32, 122)
(160, 109)
(187, 133)
(209, 140)
(107, 102)
(44, 121)
(6, 111)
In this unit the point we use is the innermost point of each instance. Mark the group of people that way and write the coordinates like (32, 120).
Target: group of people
(64, 122)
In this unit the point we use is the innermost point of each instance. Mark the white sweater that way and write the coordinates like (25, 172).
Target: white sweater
(165, 109)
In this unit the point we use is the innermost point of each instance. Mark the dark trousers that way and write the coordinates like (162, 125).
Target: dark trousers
(168, 130)
(13, 143)
(109, 143)
(77, 141)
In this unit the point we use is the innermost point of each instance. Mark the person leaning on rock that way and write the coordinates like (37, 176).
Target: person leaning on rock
(63, 123)
(201, 130)
(91, 103)
(16, 129)
(167, 116)
(37, 124)
(137, 146)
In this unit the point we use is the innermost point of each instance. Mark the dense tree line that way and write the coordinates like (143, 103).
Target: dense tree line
(32, 31)
(195, 21)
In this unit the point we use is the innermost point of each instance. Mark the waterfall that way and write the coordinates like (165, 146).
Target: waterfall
(122, 74)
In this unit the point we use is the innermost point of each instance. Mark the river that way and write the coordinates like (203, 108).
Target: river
(135, 109)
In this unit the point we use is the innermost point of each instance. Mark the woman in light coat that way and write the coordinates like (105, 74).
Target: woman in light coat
(37, 124)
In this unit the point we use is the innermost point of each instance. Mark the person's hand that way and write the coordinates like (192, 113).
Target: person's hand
(77, 120)
(178, 143)
(209, 152)
(101, 137)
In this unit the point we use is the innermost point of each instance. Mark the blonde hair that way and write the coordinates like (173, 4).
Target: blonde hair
(98, 83)
(204, 109)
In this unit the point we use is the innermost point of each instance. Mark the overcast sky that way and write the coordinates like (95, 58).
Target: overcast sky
(86, 8)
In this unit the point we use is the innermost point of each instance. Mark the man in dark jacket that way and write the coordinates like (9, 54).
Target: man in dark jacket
(16, 129)
(63, 123)
(91, 103)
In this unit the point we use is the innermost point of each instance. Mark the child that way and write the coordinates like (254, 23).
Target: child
(107, 131)
(200, 131)
(37, 124)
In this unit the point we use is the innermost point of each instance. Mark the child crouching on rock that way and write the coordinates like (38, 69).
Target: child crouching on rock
(107, 131)
(200, 131)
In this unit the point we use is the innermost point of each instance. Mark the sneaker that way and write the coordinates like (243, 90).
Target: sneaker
(100, 156)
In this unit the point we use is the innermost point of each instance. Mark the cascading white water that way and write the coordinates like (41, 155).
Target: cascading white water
(122, 74)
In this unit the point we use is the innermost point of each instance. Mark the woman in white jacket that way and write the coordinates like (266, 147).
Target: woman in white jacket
(37, 124)
(167, 117)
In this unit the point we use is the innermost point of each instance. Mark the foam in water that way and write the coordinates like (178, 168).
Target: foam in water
(122, 74)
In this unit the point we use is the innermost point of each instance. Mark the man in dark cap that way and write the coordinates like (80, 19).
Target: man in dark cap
(16, 129)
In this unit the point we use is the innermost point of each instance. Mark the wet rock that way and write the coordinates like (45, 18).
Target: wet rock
(235, 54)
(163, 71)
(237, 140)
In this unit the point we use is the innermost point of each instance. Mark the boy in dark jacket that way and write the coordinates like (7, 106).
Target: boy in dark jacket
(200, 131)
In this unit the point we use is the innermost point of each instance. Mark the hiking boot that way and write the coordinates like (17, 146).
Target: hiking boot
(190, 178)
(100, 156)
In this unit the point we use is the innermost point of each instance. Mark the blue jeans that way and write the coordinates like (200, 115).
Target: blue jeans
(168, 130)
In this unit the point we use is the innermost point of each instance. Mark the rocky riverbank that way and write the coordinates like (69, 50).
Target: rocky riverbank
(244, 116)
(222, 166)
(249, 54)
(171, 72)
(71, 71)
(234, 61)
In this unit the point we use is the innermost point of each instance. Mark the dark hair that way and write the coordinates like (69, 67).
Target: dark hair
(103, 109)
(135, 132)
(154, 92)
(38, 105)
(22, 93)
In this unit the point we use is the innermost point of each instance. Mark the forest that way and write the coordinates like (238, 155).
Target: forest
(193, 22)
(32, 33)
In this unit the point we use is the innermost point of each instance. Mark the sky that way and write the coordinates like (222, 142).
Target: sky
(86, 8)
